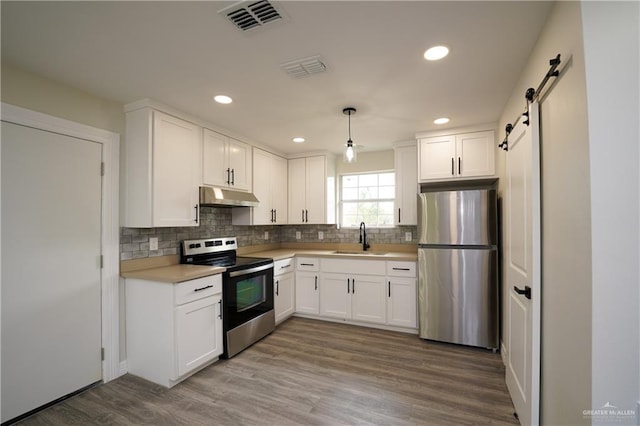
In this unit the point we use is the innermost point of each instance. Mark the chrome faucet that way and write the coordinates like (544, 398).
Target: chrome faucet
(363, 236)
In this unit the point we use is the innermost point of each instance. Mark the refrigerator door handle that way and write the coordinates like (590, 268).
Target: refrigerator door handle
(526, 291)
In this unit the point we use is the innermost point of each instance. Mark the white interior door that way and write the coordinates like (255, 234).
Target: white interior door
(51, 246)
(522, 251)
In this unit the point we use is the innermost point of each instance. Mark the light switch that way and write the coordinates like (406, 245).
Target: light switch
(153, 243)
(407, 236)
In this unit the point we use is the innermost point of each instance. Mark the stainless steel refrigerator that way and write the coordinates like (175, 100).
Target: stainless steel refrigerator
(457, 267)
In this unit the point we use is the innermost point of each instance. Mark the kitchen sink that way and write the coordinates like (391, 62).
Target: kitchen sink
(368, 253)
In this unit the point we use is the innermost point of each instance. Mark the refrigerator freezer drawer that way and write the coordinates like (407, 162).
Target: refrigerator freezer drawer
(458, 217)
(458, 296)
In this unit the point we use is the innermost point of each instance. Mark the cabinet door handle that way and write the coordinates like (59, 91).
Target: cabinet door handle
(228, 176)
(353, 286)
(196, 219)
(303, 215)
(277, 288)
(347, 285)
(316, 280)
(203, 288)
(401, 269)
(459, 165)
(220, 309)
(389, 284)
(275, 215)
(233, 177)
(307, 264)
(452, 167)
(399, 215)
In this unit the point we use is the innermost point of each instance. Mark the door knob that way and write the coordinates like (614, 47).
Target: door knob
(526, 291)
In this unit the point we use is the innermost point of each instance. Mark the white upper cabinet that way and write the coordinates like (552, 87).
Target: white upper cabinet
(226, 162)
(456, 156)
(406, 164)
(162, 162)
(311, 190)
(270, 188)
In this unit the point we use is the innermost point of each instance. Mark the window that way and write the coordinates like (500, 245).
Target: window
(367, 198)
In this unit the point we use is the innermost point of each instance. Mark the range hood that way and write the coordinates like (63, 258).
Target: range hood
(210, 196)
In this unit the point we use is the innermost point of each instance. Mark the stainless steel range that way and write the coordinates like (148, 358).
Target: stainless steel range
(247, 290)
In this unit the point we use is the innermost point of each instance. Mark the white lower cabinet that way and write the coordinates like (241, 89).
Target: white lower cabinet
(172, 329)
(353, 297)
(307, 295)
(402, 294)
(401, 302)
(374, 291)
(197, 333)
(283, 289)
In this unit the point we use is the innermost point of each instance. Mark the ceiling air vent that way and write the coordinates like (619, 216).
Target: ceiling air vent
(251, 15)
(304, 67)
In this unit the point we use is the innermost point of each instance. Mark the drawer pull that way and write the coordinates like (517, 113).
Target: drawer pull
(202, 288)
(285, 266)
(401, 269)
(307, 264)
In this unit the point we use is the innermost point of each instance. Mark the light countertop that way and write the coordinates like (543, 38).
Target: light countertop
(174, 273)
(167, 269)
(279, 254)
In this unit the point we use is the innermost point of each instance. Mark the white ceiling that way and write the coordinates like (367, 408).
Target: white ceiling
(182, 53)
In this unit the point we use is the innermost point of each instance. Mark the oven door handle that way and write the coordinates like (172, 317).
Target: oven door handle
(250, 270)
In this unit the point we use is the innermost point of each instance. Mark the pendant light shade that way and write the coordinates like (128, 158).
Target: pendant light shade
(350, 150)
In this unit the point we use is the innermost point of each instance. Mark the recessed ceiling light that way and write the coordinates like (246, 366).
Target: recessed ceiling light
(435, 53)
(222, 99)
(442, 120)
(298, 140)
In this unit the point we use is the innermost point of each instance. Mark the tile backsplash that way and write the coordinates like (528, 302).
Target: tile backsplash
(216, 222)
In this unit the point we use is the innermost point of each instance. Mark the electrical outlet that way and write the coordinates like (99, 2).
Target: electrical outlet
(153, 243)
(298, 235)
(408, 236)
(320, 235)
(266, 235)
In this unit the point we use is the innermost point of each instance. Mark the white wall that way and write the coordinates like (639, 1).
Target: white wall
(566, 219)
(611, 44)
(590, 208)
(366, 162)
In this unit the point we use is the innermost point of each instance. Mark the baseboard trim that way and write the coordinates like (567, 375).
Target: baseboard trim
(360, 324)
(503, 353)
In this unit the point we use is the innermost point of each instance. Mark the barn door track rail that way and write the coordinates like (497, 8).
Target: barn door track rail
(531, 95)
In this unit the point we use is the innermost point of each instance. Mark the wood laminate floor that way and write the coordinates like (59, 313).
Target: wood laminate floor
(312, 373)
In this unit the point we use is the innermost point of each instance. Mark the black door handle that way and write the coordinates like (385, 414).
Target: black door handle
(233, 177)
(347, 285)
(316, 281)
(526, 291)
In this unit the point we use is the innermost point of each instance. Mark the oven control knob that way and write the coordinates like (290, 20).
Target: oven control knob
(194, 245)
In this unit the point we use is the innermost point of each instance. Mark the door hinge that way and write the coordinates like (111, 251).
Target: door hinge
(102, 354)
(102, 169)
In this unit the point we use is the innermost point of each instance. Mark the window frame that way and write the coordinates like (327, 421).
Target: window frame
(341, 201)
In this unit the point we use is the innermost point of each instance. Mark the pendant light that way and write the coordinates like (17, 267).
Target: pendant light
(350, 151)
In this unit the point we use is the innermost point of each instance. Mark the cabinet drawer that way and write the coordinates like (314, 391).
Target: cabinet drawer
(350, 266)
(401, 269)
(307, 264)
(283, 266)
(197, 289)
